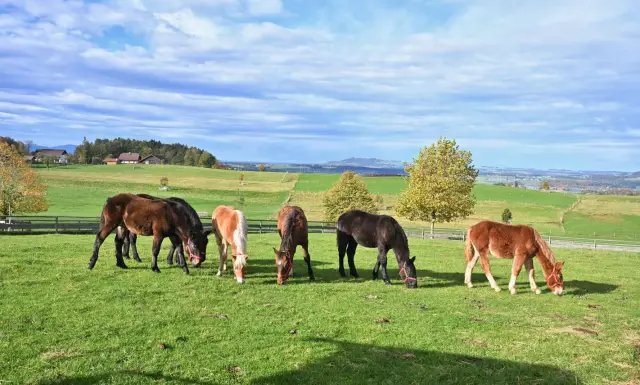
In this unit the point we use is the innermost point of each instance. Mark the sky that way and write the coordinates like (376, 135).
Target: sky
(528, 83)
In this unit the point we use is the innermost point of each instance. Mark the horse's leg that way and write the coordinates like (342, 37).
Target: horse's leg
(307, 259)
(470, 265)
(382, 261)
(343, 242)
(351, 252)
(223, 250)
(133, 238)
(528, 264)
(101, 235)
(170, 255)
(125, 244)
(175, 244)
(518, 261)
(119, 241)
(486, 267)
(157, 242)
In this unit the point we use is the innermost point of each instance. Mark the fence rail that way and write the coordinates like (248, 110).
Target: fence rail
(89, 225)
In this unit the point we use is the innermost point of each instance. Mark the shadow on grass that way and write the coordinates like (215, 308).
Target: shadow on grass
(587, 287)
(353, 363)
(367, 364)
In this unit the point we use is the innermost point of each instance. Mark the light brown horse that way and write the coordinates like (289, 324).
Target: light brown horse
(230, 228)
(520, 242)
(294, 231)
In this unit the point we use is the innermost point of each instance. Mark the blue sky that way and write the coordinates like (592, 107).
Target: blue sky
(530, 83)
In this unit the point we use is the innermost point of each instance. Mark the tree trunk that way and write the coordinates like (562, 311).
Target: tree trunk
(433, 224)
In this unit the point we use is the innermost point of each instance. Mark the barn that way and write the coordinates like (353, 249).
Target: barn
(58, 156)
(111, 161)
(129, 157)
(153, 159)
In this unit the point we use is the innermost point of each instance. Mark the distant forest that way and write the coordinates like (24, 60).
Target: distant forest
(175, 153)
(95, 152)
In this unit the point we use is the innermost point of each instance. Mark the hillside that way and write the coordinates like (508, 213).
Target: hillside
(367, 162)
(82, 190)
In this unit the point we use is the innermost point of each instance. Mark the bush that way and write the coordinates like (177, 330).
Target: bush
(507, 216)
(349, 193)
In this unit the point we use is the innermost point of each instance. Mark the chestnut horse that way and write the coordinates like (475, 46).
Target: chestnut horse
(230, 228)
(357, 227)
(159, 218)
(520, 242)
(294, 231)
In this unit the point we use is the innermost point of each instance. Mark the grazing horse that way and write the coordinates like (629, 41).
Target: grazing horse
(159, 218)
(130, 238)
(294, 231)
(230, 228)
(357, 227)
(520, 242)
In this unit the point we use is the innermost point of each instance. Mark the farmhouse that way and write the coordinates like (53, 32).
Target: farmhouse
(59, 156)
(153, 159)
(29, 158)
(111, 161)
(129, 157)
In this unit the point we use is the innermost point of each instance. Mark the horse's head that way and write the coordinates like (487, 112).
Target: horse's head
(284, 265)
(555, 280)
(408, 274)
(240, 267)
(197, 246)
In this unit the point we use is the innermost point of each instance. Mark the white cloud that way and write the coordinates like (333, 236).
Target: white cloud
(264, 7)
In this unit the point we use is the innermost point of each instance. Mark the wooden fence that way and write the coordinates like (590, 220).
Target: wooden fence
(89, 225)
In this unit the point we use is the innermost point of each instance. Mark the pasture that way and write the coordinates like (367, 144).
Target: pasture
(61, 323)
(81, 190)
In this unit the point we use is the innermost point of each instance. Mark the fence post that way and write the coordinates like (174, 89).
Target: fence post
(422, 233)
(549, 240)
(594, 244)
(260, 230)
(57, 225)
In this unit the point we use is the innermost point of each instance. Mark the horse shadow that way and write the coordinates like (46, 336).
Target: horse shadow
(577, 287)
(354, 363)
(124, 376)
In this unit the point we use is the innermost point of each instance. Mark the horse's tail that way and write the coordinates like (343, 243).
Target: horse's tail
(240, 235)
(468, 247)
(543, 247)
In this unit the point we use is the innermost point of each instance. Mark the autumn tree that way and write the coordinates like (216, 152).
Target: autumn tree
(20, 188)
(206, 159)
(164, 181)
(545, 185)
(261, 167)
(348, 193)
(440, 185)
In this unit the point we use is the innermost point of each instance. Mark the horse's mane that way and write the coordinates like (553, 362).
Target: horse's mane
(288, 228)
(240, 234)
(190, 212)
(544, 247)
(403, 236)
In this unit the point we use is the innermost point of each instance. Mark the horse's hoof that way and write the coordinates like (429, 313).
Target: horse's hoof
(122, 266)
(469, 285)
(538, 291)
(512, 291)
(342, 274)
(155, 269)
(169, 262)
(498, 290)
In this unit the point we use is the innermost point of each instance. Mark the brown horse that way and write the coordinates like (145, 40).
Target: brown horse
(520, 242)
(294, 231)
(230, 228)
(157, 218)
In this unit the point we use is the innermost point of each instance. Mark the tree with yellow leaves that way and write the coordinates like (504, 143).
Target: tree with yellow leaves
(440, 185)
(349, 193)
(20, 188)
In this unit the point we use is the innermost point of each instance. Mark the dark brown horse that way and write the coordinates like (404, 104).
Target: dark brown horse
(520, 242)
(294, 231)
(157, 218)
(357, 227)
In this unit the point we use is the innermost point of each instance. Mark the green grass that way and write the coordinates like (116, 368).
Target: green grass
(63, 324)
(82, 190)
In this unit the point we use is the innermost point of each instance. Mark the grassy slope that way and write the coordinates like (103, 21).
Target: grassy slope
(78, 190)
(63, 324)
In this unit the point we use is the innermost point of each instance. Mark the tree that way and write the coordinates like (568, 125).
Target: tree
(164, 181)
(261, 167)
(440, 184)
(48, 160)
(348, 193)
(241, 178)
(206, 159)
(545, 185)
(507, 216)
(20, 188)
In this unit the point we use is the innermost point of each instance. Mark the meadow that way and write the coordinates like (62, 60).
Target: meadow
(82, 190)
(61, 323)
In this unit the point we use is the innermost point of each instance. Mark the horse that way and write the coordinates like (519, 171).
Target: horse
(159, 218)
(357, 227)
(130, 238)
(230, 228)
(520, 242)
(293, 230)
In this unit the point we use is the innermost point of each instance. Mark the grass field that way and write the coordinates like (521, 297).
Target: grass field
(81, 190)
(63, 324)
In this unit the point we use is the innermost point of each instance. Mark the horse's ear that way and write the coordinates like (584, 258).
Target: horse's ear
(413, 259)
(559, 265)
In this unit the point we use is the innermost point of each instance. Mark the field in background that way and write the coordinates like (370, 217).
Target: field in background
(65, 324)
(82, 190)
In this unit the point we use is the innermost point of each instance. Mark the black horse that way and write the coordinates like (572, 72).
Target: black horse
(356, 227)
(130, 238)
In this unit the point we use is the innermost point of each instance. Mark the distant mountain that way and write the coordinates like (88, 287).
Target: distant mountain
(366, 162)
(69, 148)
